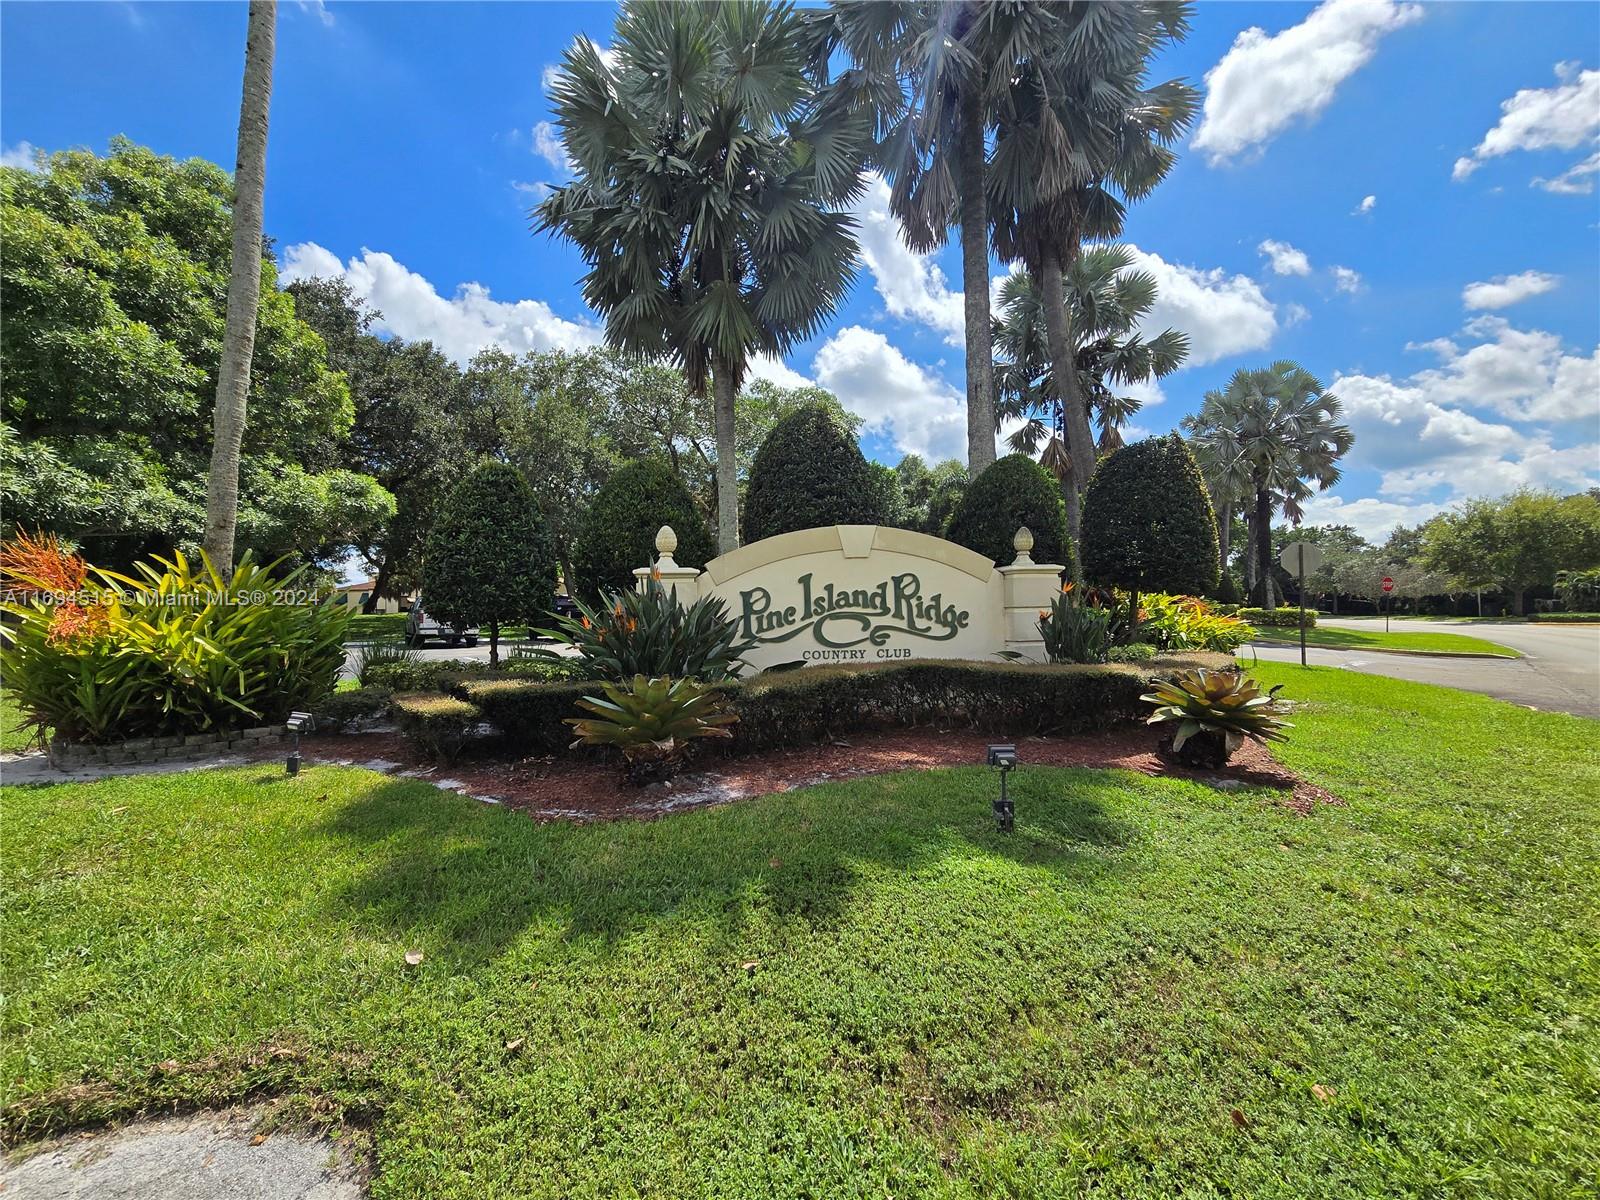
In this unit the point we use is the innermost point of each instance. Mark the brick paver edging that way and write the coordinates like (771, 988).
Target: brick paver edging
(72, 756)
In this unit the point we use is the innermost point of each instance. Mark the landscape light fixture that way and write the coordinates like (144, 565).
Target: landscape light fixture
(1004, 757)
(297, 723)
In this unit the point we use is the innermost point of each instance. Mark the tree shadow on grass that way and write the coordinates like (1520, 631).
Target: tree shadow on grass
(468, 879)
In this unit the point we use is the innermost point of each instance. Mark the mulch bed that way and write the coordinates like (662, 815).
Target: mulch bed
(553, 789)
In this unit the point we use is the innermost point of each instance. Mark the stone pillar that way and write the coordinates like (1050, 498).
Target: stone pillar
(1028, 588)
(668, 573)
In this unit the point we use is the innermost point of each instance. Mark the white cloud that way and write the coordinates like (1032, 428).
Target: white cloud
(459, 325)
(1347, 280)
(1372, 518)
(547, 145)
(1574, 181)
(1428, 449)
(911, 285)
(1505, 290)
(919, 412)
(1286, 260)
(1294, 314)
(1553, 118)
(20, 155)
(1368, 203)
(318, 9)
(1264, 83)
(1223, 315)
(765, 366)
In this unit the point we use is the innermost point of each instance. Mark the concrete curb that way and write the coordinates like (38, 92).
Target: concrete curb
(1294, 644)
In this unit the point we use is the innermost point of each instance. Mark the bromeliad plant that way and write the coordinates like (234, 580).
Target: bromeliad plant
(98, 656)
(1074, 632)
(649, 633)
(652, 721)
(1215, 711)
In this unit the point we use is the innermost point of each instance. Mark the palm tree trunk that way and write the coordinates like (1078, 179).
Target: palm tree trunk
(971, 171)
(722, 396)
(244, 289)
(1224, 540)
(1064, 371)
(1263, 547)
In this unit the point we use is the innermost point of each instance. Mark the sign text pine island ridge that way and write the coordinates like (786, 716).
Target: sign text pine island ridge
(842, 618)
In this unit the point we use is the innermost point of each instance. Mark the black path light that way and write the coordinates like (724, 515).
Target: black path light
(297, 723)
(1005, 757)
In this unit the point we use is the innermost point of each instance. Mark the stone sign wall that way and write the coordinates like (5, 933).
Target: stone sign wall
(868, 594)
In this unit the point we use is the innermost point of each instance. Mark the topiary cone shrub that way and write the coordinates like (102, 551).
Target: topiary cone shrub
(810, 472)
(1148, 524)
(490, 559)
(618, 533)
(1012, 492)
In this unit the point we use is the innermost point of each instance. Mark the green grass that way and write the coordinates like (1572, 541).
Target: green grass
(367, 626)
(1376, 639)
(931, 1009)
(13, 738)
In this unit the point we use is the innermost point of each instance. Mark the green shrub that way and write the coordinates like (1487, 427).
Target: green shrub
(1013, 492)
(446, 675)
(809, 472)
(529, 713)
(383, 653)
(618, 532)
(1558, 618)
(1282, 618)
(893, 509)
(649, 633)
(339, 711)
(1214, 711)
(171, 650)
(1148, 525)
(440, 726)
(490, 561)
(1074, 632)
(1133, 652)
(653, 722)
(1189, 623)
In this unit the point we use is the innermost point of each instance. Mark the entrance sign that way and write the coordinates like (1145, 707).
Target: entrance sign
(868, 593)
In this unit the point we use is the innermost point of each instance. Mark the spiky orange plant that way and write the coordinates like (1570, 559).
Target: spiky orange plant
(38, 569)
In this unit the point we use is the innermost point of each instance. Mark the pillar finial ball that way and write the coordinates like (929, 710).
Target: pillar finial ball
(1023, 542)
(666, 541)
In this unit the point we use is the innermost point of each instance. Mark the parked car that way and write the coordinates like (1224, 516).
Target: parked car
(422, 629)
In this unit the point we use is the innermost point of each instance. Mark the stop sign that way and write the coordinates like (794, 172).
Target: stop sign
(1388, 584)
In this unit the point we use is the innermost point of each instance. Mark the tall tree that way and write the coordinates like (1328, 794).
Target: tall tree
(244, 288)
(114, 276)
(711, 176)
(930, 73)
(1106, 299)
(1285, 436)
(1079, 135)
(1517, 542)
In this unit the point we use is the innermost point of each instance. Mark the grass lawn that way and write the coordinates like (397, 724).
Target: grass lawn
(13, 738)
(368, 626)
(1376, 639)
(859, 989)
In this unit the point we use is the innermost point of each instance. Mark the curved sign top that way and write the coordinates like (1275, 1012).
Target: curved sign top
(869, 593)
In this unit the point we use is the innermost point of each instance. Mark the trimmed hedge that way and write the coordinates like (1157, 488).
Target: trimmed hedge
(1282, 618)
(1559, 618)
(1132, 652)
(530, 714)
(1148, 524)
(810, 472)
(1012, 492)
(800, 707)
(444, 675)
(340, 709)
(618, 532)
(439, 725)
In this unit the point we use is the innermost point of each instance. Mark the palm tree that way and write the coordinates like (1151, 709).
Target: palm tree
(1105, 302)
(1079, 136)
(931, 73)
(1285, 435)
(1214, 439)
(709, 177)
(244, 288)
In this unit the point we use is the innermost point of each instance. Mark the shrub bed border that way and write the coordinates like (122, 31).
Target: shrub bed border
(72, 756)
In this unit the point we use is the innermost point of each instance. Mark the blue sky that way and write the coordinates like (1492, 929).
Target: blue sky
(1457, 312)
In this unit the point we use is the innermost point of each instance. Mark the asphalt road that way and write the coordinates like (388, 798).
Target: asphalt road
(1560, 670)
